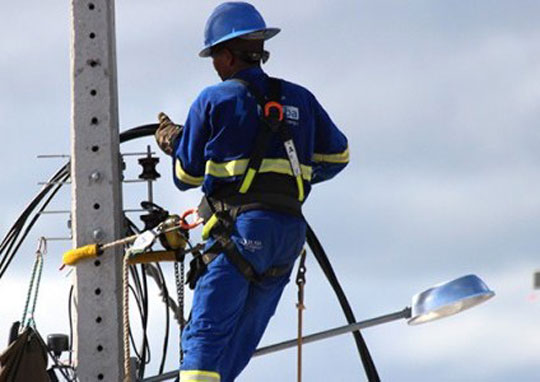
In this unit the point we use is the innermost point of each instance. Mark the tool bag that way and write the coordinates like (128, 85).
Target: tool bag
(25, 359)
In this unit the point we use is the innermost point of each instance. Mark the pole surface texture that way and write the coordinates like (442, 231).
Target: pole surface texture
(96, 191)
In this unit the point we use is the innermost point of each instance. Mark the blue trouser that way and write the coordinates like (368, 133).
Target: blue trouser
(229, 313)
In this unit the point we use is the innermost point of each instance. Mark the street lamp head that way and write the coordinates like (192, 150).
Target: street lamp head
(448, 298)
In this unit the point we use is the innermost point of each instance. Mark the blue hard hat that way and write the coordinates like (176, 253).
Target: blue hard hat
(234, 19)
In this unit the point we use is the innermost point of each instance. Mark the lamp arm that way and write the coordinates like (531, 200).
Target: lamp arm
(403, 314)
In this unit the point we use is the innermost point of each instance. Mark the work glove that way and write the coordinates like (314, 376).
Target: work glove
(167, 133)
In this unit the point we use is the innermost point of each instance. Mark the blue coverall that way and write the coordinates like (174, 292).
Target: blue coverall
(230, 313)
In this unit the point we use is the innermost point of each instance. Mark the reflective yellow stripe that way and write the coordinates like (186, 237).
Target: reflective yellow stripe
(226, 169)
(208, 227)
(332, 158)
(239, 166)
(199, 376)
(185, 177)
(247, 180)
(282, 166)
(300, 184)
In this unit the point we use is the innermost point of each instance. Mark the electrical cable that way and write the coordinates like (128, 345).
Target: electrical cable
(138, 132)
(54, 180)
(132, 339)
(167, 319)
(13, 239)
(140, 293)
(15, 245)
(70, 317)
(326, 266)
(160, 280)
(32, 205)
(23, 225)
(139, 299)
(146, 351)
(143, 309)
(58, 365)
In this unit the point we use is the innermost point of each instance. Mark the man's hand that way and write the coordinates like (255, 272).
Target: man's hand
(167, 133)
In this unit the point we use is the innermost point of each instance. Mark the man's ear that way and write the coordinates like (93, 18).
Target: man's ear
(230, 59)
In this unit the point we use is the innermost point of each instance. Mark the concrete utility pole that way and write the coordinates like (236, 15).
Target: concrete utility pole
(96, 191)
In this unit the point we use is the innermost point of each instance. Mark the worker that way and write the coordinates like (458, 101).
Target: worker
(256, 145)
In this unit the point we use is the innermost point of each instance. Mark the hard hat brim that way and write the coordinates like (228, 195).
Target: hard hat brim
(260, 34)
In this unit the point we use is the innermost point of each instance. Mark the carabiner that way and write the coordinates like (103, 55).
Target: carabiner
(273, 104)
(184, 223)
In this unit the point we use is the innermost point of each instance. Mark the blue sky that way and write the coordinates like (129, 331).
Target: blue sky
(439, 100)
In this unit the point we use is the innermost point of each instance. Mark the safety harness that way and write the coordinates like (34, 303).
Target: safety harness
(255, 191)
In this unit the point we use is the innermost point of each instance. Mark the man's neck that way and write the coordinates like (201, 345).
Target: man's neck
(242, 67)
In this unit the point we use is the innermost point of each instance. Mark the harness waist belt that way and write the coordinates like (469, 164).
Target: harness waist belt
(219, 217)
(241, 203)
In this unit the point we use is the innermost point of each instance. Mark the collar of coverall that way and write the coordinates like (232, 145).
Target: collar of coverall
(250, 74)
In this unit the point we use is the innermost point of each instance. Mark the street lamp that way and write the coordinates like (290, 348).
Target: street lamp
(440, 301)
(448, 298)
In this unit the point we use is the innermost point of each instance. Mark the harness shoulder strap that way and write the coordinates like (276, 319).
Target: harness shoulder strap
(271, 122)
(287, 138)
(219, 221)
(259, 97)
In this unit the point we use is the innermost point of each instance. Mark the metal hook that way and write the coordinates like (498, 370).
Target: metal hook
(42, 246)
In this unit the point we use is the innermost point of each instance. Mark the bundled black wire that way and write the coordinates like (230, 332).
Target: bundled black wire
(19, 231)
(25, 222)
(139, 289)
(167, 319)
(322, 258)
(140, 293)
(23, 225)
(70, 318)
